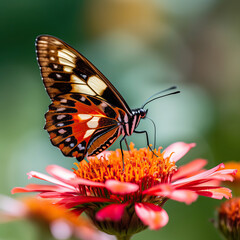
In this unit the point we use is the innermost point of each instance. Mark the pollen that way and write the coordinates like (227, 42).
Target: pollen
(140, 166)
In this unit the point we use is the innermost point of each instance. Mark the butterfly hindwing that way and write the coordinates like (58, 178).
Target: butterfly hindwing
(76, 123)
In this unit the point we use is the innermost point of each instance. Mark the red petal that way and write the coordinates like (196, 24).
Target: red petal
(49, 179)
(73, 201)
(111, 212)
(161, 189)
(189, 169)
(217, 193)
(153, 216)
(178, 150)
(121, 187)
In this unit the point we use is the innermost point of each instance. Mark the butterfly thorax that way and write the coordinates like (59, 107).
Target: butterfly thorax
(130, 123)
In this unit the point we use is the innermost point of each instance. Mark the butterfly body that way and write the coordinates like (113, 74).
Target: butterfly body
(87, 113)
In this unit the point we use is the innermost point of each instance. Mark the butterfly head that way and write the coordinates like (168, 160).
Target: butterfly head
(143, 112)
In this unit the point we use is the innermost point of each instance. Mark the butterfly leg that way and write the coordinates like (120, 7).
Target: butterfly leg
(127, 145)
(146, 133)
(123, 138)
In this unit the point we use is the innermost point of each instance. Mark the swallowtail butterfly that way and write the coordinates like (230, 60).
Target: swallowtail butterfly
(87, 113)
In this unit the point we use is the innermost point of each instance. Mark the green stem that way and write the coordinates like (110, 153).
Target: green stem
(126, 237)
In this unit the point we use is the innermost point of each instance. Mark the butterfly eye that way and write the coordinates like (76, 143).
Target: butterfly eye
(143, 113)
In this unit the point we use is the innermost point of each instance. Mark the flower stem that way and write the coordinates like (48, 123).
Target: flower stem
(125, 237)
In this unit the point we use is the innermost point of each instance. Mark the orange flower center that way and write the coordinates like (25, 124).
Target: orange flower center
(140, 166)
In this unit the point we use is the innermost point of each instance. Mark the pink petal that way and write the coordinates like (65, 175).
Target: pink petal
(117, 187)
(151, 215)
(48, 179)
(60, 172)
(185, 196)
(166, 190)
(178, 150)
(201, 176)
(189, 169)
(112, 212)
(39, 188)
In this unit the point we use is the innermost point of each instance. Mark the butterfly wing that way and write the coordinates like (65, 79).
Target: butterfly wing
(79, 127)
(83, 118)
(65, 70)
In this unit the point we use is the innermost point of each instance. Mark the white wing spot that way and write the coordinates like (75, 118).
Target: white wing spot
(63, 100)
(68, 139)
(67, 69)
(84, 116)
(80, 147)
(93, 123)
(60, 109)
(52, 58)
(58, 75)
(88, 133)
(59, 117)
(62, 131)
(97, 84)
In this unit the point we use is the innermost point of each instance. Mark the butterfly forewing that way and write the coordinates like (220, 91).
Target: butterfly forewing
(65, 70)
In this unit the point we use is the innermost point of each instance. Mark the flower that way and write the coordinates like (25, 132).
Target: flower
(52, 220)
(123, 203)
(229, 219)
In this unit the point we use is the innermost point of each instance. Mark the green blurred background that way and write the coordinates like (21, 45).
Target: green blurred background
(142, 46)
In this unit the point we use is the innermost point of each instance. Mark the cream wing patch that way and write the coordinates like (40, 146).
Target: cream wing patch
(82, 89)
(97, 84)
(83, 117)
(88, 133)
(93, 123)
(76, 79)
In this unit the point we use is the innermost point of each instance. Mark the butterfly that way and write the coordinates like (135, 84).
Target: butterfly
(87, 113)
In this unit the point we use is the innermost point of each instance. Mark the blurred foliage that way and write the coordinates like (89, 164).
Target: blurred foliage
(142, 47)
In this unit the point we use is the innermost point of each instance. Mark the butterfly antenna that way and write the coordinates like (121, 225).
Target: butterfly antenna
(155, 94)
(155, 132)
(159, 97)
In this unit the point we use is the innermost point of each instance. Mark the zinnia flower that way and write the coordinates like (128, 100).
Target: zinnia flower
(229, 219)
(123, 203)
(52, 220)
